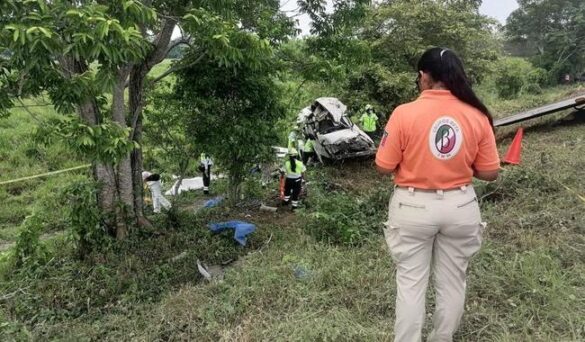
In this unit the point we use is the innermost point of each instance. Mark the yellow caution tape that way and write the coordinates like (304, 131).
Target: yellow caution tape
(44, 174)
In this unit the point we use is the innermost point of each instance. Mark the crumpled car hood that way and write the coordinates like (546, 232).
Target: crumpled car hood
(337, 137)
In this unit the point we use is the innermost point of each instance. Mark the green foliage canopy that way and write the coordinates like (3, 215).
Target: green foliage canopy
(554, 33)
(232, 105)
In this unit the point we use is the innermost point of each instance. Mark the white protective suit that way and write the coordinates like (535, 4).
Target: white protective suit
(158, 200)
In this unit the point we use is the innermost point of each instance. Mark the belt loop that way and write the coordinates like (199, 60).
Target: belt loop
(411, 190)
(440, 194)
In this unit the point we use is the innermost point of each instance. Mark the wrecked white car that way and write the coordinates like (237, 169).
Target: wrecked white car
(336, 137)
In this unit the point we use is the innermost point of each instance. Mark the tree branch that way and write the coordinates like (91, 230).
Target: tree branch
(161, 43)
(26, 109)
(177, 42)
(177, 67)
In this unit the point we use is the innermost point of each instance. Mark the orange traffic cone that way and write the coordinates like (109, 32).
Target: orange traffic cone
(513, 155)
(281, 188)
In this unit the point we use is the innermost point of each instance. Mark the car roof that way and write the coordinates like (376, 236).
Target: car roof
(335, 107)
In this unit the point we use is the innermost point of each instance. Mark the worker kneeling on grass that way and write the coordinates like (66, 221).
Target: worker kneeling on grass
(153, 182)
(294, 170)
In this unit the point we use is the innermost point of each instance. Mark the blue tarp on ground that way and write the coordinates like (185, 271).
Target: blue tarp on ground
(241, 229)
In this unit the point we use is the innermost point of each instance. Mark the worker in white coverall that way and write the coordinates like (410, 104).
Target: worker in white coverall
(153, 182)
(205, 164)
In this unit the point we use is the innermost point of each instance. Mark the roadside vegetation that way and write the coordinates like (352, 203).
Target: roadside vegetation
(321, 273)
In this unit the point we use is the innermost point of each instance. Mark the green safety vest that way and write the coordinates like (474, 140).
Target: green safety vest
(298, 173)
(309, 146)
(370, 122)
(292, 140)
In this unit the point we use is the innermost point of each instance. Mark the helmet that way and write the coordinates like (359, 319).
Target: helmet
(145, 174)
(293, 152)
(369, 107)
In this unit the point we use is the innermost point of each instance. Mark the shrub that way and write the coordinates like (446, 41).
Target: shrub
(29, 251)
(345, 219)
(84, 218)
(538, 76)
(376, 82)
(531, 88)
(516, 75)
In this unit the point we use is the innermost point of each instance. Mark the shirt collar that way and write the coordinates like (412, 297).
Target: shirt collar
(437, 94)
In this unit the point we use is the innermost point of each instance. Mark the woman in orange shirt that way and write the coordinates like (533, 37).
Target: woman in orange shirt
(434, 146)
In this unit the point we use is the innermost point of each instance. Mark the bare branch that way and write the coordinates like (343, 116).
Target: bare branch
(161, 43)
(33, 115)
(177, 67)
(177, 42)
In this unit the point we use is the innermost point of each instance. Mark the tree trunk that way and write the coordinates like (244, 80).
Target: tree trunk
(120, 186)
(235, 182)
(124, 186)
(103, 174)
(136, 89)
(135, 104)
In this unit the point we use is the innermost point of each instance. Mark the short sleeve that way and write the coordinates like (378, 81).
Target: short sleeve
(487, 158)
(389, 153)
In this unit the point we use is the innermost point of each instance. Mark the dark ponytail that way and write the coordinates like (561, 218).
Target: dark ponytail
(293, 163)
(445, 66)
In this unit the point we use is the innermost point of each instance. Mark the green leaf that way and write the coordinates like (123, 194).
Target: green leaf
(15, 35)
(74, 13)
(45, 32)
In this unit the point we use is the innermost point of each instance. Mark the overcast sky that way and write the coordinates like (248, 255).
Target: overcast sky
(499, 9)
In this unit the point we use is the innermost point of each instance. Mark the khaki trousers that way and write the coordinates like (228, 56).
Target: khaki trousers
(442, 228)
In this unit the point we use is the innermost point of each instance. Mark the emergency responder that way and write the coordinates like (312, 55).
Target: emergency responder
(205, 164)
(294, 170)
(369, 121)
(308, 150)
(292, 139)
(155, 187)
(434, 146)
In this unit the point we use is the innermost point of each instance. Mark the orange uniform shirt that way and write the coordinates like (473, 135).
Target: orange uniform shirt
(436, 142)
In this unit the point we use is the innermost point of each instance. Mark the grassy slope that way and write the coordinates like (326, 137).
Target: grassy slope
(527, 283)
(20, 156)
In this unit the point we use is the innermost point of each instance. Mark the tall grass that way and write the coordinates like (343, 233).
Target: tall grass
(292, 282)
(20, 156)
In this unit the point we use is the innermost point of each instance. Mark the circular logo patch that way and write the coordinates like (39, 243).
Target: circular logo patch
(445, 138)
